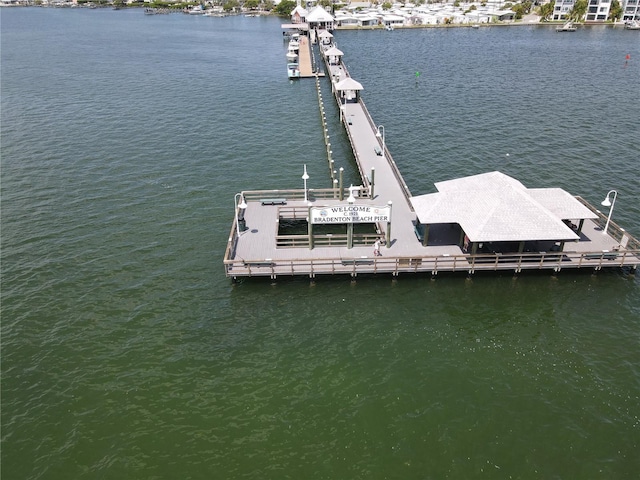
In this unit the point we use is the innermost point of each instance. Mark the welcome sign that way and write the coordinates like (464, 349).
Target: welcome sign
(350, 214)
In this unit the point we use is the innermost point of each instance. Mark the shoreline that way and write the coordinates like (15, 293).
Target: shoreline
(345, 28)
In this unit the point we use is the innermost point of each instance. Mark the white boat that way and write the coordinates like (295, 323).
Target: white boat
(293, 70)
(197, 10)
(292, 56)
(567, 27)
(634, 25)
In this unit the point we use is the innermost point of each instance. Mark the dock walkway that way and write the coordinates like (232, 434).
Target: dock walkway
(261, 250)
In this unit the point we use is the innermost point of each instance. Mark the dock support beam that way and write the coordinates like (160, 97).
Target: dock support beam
(340, 185)
(425, 234)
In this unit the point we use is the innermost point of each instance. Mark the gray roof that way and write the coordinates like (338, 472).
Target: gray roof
(493, 207)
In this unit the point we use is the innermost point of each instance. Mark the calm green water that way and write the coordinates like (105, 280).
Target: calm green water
(126, 353)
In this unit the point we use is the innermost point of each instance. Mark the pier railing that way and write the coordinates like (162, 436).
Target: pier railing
(298, 195)
(325, 240)
(387, 154)
(432, 264)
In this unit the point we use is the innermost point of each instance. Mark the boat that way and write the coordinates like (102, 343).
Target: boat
(567, 27)
(294, 43)
(292, 56)
(197, 10)
(389, 28)
(633, 25)
(293, 70)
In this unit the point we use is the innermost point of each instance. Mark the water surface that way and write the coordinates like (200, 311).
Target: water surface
(126, 353)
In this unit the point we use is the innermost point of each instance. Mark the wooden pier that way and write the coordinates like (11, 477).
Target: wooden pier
(260, 246)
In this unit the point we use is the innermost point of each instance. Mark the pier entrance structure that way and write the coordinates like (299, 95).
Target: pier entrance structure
(486, 222)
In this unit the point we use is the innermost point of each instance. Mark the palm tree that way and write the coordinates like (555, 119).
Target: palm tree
(546, 11)
(578, 11)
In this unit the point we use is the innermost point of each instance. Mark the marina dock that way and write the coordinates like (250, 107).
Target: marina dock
(384, 210)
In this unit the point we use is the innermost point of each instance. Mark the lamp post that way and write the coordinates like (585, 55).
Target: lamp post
(242, 206)
(351, 198)
(305, 177)
(608, 203)
(381, 135)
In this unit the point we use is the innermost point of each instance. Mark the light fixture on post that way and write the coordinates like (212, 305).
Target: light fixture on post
(608, 203)
(305, 177)
(381, 135)
(242, 206)
(351, 198)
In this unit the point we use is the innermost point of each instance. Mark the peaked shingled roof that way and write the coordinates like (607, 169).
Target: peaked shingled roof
(493, 207)
(319, 14)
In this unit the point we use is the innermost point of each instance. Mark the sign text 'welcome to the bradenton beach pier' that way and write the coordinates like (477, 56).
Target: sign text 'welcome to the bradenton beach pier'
(350, 214)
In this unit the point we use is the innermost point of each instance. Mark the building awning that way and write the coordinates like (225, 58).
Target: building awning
(494, 207)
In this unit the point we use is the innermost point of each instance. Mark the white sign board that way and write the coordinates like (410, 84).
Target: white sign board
(350, 214)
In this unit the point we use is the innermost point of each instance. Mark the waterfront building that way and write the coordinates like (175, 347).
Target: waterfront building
(631, 10)
(562, 9)
(598, 10)
(299, 15)
(321, 19)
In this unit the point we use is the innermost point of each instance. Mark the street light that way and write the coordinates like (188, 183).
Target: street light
(351, 198)
(242, 206)
(608, 203)
(305, 177)
(381, 135)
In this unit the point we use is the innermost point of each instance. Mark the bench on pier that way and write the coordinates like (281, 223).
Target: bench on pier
(377, 150)
(604, 256)
(267, 262)
(273, 201)
(358, 261)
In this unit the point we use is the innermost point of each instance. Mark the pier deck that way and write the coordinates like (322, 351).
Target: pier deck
(305, 61)
(261, 250)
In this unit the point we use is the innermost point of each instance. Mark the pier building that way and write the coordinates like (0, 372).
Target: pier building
(485, 222)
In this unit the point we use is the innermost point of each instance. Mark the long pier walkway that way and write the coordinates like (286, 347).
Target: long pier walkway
(258, 247)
